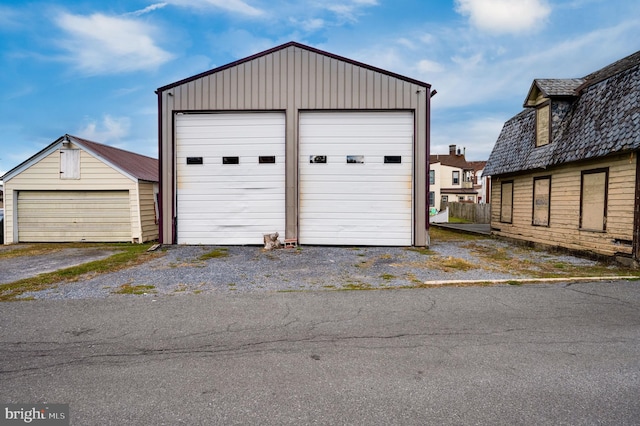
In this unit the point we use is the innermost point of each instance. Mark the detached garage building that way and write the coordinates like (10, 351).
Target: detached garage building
(298, 141)
(78, 190)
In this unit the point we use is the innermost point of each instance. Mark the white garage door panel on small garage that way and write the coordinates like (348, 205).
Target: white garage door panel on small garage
(356, 184)
(67, 216)
(230, 177)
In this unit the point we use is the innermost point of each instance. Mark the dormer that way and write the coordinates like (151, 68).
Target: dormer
(543, 96)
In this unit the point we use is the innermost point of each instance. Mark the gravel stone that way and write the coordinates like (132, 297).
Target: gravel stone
(250, 268)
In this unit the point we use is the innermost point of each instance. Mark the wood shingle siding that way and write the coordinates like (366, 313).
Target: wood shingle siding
(564, 221)
(591, 159)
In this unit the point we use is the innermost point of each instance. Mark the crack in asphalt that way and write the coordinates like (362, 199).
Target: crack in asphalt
(255, 347)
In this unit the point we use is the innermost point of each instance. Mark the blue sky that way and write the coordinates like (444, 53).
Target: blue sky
(90, 68)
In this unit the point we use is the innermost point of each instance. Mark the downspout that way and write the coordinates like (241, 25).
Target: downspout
(430, 94)
(160, 180)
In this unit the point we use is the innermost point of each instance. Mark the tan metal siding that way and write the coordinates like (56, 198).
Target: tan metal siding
(294, 79)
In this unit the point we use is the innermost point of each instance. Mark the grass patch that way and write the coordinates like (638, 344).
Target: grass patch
(135, 289)
(437, 235)
(126, 256)
(216, 253)
(43, 248)
(453, 219)
(356, 286)
(387, 277)
(455, 263)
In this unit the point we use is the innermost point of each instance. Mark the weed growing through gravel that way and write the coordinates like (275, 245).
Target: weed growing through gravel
(358, 285)
(520, 261)
(454, 263)
(422, 250)
(216, 253)
(135, 289)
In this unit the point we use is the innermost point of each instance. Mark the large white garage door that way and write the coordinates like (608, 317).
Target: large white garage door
(230, 177)
(67, 216)
(356, 180)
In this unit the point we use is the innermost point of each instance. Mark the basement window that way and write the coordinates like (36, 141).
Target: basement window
(392, 159)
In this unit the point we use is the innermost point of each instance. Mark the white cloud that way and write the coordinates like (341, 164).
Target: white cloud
(349, 10)
(235, 6)
(505, 16)
(101, 44)
(426, 66)
(308, 25)
(147, 9)
(109, 130)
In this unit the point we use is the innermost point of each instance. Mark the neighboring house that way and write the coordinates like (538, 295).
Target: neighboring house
(565, 170)
(319, 148)
(454, 179)
(1, 196)
(482, 182)
(78, 190)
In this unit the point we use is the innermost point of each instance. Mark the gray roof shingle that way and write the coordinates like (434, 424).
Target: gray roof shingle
(559, 87)
(604, 120)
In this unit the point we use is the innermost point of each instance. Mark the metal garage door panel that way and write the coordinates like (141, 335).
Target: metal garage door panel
(68, 216)
(230, 203)
(357, 203)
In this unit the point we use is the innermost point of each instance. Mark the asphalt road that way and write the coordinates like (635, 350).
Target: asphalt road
(534, 354)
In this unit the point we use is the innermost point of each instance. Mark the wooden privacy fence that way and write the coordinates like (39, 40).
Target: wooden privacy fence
(476, 213)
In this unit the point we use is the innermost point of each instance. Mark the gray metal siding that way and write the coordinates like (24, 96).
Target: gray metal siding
(293, 79)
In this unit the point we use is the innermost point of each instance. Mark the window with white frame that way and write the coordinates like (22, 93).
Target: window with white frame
(455, 177)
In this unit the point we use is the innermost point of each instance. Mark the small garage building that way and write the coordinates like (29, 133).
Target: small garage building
(294, 140)
(78, 190)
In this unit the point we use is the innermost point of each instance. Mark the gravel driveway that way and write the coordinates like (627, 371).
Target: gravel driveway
(180, 269)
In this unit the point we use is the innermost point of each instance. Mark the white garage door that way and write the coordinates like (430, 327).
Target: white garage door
(230, 177)
(356, 183)
(67, 216)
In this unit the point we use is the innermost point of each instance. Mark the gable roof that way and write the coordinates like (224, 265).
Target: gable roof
(285, 46)
(139, 166)
(603, 120)
(135, 165)
(451, 160)
(553, 88)
(457, 161)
